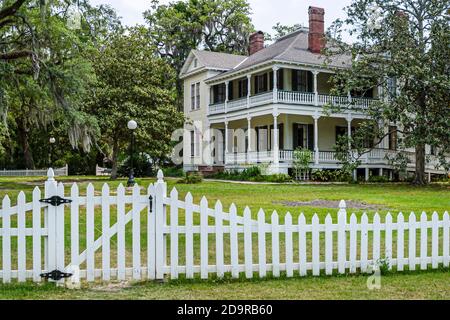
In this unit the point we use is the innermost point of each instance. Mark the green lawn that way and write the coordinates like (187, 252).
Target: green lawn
(387, 197)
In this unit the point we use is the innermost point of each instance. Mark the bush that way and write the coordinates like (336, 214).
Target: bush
(278, 178)
(378, 179)
(330, 176)
(173, 172)
(253, 174)
(142, 165)
(193, 177)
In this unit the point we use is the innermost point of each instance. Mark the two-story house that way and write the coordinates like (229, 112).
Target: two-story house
(246, 110)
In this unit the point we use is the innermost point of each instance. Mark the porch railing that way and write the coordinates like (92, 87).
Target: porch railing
(289, 97)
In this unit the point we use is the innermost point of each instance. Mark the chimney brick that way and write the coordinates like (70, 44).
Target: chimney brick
(316, 40)
(256, 42)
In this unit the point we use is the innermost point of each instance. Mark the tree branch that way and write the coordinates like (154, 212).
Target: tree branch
(12, 9)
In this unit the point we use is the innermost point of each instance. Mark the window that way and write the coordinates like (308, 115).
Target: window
(195, 63)
(192, 144)
(219, 93)
(392, 138)
(392, 87)
(261, 83)
(302, 81)
(195, 96)
(243, 88)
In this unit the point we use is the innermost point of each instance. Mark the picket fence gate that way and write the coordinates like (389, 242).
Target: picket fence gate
(172, 237)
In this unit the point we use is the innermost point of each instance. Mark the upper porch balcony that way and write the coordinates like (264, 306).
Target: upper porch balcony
(282, 86)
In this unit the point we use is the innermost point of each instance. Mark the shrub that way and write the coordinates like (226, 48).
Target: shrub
(278, 178)
(379, 179)
(193, 177)
(331, 176)
(174, 172)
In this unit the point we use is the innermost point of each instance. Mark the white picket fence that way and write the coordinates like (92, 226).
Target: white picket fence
(64, 171)
(149, 235)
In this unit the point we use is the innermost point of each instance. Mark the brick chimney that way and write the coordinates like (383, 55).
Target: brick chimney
(316, 41)
(256, 42)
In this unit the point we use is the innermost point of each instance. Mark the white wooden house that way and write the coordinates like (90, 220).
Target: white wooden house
(259, 108)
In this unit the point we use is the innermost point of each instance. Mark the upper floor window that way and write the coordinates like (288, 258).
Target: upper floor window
(261, 84)
(392, 86)
(280, 79)
(302, 81)
(219, 93)
(243, 88)
(195, 96)
(195, 63)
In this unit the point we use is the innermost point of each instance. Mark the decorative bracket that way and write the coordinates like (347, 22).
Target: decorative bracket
(55, 201)
(56, 275)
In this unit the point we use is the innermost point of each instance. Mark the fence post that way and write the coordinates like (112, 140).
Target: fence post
(342, 249)
(50, 223)
(160, 219)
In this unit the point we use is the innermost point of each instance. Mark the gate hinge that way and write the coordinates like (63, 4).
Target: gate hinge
(55, 201)
(56, 275)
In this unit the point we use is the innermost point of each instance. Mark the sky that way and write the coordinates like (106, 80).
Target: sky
(266, 13)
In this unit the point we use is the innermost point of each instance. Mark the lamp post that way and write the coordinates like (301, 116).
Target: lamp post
(52, 141)
(132, 125)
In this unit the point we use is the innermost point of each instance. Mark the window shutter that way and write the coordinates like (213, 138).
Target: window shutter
(310, 81)
(230, 91)
(294, 76)
(280, 79)
(295, 131)
(265, 82)
(281, 136)
(311, 137)
(271, 80)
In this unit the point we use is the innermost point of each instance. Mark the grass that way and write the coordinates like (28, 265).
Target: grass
(388, 197)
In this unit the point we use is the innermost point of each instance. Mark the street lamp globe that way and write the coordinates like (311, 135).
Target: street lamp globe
(132, 125)
(52, 140)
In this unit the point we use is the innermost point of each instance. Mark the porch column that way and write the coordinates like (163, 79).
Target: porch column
(316, 92)
(276, 150)
(249, 89)
(367, 174)
(249, 133)
(227, 83)
(349, 130)
(316, 139)
(381, 172)
(226, 143)
(275, 84)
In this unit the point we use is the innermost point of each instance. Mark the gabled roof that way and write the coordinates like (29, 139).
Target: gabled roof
(211, 60)
(292, 48)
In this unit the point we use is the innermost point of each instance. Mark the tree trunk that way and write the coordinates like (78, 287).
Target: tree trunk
(114, 159)
(420, 165)
(23, 138)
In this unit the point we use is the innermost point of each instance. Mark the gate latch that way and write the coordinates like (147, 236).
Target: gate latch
(56, 275)
(55, 201)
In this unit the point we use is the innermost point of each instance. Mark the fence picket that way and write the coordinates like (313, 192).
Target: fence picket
(248, 250)
(289, 246)
(342, 238)
(315, 245)
(37, 258)
(412, 242)
(90, 233)
(275, 245)
(328, 245)
(21, 242)
(151, 234)
(120, 233)
(400, 241)
(174, 233)
(50, 248)
(434, 240)
(262, 244)
(189, 237)
(204, 238)
(74, 225)
(364, 242)
(234, 242)
(6, 241)
(106, 259)
(376, 238)
(219, 239)
(136, 233)
(302, 244)
(388, 239)
(353, 242)
(446, 239)
(423, 241)
(60, 239)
